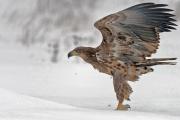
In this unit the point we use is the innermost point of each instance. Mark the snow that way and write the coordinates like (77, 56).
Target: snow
(21, 107)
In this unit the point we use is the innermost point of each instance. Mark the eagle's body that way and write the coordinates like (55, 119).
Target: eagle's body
(129, 37)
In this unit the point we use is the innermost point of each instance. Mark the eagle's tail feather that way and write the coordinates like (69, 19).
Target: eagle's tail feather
(157, 61)
(161, 59)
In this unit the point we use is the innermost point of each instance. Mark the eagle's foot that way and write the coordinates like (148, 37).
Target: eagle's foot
(123, 107)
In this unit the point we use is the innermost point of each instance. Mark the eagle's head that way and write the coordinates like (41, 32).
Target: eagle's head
(82, 52)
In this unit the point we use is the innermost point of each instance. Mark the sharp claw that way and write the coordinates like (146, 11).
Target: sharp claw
(129, 99)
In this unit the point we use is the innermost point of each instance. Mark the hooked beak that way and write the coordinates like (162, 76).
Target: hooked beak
(72, 53)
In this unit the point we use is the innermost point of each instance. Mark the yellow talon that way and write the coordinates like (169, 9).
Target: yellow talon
(120, 106)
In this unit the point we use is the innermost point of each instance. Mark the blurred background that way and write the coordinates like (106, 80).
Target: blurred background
(36, 35)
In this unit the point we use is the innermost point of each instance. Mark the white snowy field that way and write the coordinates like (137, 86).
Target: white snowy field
(21, 107)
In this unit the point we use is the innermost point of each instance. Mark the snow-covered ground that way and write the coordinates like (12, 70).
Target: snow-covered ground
(20, 107)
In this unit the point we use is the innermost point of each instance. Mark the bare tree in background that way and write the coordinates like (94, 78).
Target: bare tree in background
(62, 15)
(56, 19)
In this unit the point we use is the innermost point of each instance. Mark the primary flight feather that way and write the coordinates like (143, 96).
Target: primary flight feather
(129, 37)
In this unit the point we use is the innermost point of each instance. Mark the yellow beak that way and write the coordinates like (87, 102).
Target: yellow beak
(72, 53)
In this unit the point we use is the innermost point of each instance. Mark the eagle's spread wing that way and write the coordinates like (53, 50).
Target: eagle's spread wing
(132, 34)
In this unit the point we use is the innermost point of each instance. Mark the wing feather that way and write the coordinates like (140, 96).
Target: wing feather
(132, 34)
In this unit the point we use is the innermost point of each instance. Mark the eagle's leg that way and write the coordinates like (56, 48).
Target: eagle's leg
(122, 89)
